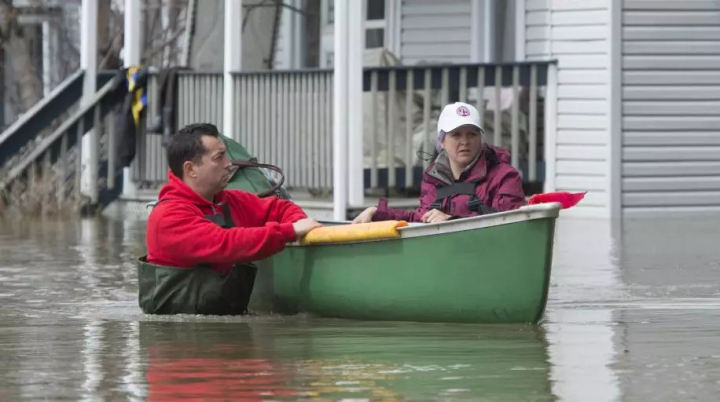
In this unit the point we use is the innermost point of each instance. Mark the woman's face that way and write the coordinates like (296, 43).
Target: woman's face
(462, 145)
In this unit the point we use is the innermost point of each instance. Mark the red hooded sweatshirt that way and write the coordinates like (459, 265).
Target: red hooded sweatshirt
(179, 235)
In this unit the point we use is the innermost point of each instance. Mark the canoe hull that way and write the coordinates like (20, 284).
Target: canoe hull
(496, 273)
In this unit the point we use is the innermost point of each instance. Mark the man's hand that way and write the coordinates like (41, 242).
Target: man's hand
(434, 216)
(303, 226)
(365, 216)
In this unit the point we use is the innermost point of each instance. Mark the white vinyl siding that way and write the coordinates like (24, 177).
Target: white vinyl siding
(670, 106)
(435, 32)
(576, 34)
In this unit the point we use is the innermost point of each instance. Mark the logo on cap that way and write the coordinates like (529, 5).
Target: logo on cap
(463, 111)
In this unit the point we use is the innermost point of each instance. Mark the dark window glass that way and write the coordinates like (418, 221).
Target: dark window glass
(375, 9)
(374, 38)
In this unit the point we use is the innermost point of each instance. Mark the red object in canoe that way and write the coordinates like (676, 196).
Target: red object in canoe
(565, 198)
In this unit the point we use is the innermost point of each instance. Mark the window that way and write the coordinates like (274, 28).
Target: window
(375, 24)
(374, 38)
(375, 10)
(376, 27)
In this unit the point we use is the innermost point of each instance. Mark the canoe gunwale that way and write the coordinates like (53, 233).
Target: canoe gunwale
(414, 230)
(523, 214)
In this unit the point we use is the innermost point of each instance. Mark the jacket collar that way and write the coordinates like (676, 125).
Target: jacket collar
(477, 170)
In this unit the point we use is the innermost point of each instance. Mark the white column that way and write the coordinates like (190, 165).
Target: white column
(489, 17)
(165, 16)
(355, 46)
(482, 31)
(47, 56)
(133, 39)
(477, 45)
(287, 21)
(298, 36)
(520, 30)
(232, 54)
(132, 55)
(88, 62)
(551, 100)
(340, 112)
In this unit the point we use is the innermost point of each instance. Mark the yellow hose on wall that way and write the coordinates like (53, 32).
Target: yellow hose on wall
(350, 233)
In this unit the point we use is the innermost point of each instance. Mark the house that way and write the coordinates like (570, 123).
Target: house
(638, 85)
(416, 31)
(51, 38)
(631, 98)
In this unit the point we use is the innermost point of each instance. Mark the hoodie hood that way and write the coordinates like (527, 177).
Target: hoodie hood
(502, 155)
(176, 190)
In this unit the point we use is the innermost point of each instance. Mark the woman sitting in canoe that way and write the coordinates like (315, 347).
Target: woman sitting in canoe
(467, 178)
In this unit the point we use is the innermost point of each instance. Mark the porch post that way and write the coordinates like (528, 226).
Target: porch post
(477, 27)
(520, 30)
(489, 42)
(482, 31)
(551, 100)
(355, 46)
(340, 111)
(232, 62)
(48, 35)
(132, 56)
(88, 62)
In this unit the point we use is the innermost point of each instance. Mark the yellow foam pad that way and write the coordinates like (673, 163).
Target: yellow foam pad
(356, 232)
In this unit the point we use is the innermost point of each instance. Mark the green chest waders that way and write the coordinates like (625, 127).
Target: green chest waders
(198, 290)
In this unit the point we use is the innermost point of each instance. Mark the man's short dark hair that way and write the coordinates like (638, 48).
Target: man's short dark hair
(187, 145)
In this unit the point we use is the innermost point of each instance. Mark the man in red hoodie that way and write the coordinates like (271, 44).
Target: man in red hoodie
(202, 239)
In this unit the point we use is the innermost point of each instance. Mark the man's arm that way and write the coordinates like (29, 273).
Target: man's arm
(271, 209)
(183, 233)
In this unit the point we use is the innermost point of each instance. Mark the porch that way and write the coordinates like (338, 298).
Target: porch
(286, 118)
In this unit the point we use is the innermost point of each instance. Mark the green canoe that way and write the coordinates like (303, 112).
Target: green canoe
(488, 269)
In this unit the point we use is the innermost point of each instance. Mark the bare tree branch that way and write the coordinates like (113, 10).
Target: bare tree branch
(150, 53)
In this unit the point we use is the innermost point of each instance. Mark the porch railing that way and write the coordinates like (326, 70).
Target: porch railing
(285, 118)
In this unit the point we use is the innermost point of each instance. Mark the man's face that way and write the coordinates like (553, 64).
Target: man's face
(212, 173)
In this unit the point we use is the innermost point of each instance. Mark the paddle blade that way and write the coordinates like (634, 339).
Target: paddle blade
(563, 197)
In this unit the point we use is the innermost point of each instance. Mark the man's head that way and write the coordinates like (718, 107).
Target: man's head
(197, 155)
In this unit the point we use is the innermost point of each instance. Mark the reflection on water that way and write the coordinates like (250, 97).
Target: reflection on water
(633, 315)
(335, 359)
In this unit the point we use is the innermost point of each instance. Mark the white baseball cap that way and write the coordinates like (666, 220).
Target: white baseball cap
(458, 114)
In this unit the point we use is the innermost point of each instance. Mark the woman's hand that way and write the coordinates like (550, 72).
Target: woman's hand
(434, 216)
(365, 216)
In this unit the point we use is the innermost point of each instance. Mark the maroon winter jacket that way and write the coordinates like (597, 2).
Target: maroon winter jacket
(499, 187)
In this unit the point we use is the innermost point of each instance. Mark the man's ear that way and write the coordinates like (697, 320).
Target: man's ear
(189, 169)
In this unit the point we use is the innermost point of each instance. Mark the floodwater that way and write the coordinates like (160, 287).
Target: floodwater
(633, 315)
